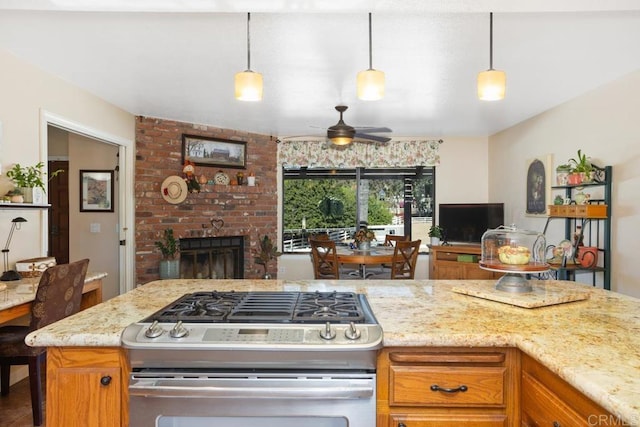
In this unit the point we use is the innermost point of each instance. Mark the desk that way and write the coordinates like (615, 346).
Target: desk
(377, 255)
(14, 302)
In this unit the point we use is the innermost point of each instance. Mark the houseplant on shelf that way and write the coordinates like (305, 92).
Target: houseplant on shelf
(30, 181)
(266, 252)
(436, 233)
(169, 247)
(581, 166)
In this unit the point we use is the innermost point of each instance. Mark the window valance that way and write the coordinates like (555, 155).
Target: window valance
(404, 153)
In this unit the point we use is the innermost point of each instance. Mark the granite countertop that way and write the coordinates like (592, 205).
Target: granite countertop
(594, 344)
(24, 290)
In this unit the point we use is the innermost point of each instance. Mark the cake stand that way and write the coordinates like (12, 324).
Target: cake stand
(514, 278)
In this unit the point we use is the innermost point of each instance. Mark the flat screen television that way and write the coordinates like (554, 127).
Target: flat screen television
(467, 222)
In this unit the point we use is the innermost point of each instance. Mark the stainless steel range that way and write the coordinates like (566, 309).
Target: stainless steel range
(255, 358)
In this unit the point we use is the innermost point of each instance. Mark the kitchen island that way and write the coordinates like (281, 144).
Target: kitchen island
(593, 344)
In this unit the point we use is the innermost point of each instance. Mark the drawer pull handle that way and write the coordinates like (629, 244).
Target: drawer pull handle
(401, 425)
(460, 389)
(106, 380)
(556, 424)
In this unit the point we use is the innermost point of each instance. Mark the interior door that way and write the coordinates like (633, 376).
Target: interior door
(59, 213)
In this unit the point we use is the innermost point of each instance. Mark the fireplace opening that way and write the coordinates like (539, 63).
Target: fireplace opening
(212, 257)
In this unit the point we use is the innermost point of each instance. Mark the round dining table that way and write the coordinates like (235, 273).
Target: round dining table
(377, 255)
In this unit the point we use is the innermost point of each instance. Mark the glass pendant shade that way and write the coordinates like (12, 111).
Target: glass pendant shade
(248, 86)
(370, 85)
(492, 85)
(341, 140)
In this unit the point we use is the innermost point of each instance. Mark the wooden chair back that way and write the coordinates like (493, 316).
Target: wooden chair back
(391, 239)
(405, 257)
(325, 259)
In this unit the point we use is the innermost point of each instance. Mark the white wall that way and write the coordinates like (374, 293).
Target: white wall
(460, 177)
(26, 93)
(603, 123)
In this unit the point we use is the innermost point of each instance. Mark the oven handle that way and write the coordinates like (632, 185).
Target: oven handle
(259, 392)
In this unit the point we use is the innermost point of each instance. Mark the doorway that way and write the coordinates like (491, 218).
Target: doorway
(90, 234)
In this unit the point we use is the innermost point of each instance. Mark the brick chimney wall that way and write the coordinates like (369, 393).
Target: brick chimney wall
(246, 211)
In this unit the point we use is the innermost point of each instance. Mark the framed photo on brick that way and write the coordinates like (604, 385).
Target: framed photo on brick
(205, 151)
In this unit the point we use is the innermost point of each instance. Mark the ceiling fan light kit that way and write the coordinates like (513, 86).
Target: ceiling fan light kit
(492, 84)
(248, 84)
(341, 133)
(370, 82)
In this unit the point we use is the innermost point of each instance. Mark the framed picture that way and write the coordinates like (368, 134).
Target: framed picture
(205, 151)
(96, 191)
(538, 185)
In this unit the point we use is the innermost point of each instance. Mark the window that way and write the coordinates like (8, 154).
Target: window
(335, 201)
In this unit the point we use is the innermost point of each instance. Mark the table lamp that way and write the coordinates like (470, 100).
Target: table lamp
(11, 275)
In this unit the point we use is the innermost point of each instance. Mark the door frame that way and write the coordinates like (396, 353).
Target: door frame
(126, 202)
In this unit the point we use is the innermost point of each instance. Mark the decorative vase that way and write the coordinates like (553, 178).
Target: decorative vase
(170, 269)
(364, 246)
(435, 241)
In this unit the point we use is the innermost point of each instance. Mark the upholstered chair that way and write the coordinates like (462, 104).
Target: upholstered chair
(59, 295)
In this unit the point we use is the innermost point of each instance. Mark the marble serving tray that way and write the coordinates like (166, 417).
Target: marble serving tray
(543, 294)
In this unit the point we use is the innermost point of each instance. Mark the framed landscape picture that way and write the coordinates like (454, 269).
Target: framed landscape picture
(204, 151)
(96, 191)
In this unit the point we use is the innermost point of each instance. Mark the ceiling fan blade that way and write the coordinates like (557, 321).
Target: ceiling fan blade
(372, 137)
(372, 129)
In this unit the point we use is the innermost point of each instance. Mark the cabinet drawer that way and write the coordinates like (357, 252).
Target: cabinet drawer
(541, 407)
(398, 420)
(414, 386)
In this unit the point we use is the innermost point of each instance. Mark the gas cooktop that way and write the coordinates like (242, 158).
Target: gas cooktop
(266, 307)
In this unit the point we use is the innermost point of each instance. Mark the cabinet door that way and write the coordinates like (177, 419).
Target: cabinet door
(85, 387)
(540, 407)
(473, 271)
(399, 420)
(448, 271)
(88, 397)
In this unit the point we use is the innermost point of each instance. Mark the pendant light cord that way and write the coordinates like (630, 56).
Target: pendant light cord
(491, 40)
(370, 43)
(248, 42)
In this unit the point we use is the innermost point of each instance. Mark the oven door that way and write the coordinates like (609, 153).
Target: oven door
(197, 399)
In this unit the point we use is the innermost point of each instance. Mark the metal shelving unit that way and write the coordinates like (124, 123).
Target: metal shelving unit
(595, 230)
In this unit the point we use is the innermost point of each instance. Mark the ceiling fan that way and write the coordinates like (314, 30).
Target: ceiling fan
(343, 134)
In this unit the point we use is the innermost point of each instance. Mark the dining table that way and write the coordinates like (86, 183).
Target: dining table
(376, 255)
(16, 297)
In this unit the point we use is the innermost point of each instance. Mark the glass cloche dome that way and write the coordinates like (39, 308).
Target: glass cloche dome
(514, 252)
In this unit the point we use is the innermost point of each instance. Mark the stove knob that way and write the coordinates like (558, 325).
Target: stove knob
(153, 331)
(178, 331)
(327, 333)
(352, 333)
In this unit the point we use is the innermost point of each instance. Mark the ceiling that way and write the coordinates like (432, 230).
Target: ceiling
(177, 59)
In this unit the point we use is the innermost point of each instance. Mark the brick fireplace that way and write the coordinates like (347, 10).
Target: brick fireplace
(247, 212)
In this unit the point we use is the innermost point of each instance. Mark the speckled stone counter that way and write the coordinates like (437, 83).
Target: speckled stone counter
(593, 344)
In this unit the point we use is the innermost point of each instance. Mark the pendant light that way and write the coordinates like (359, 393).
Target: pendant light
(248, 83)
(492, 84)
(370, 83)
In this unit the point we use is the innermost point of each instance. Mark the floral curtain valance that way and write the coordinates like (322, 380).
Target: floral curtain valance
(322, 154)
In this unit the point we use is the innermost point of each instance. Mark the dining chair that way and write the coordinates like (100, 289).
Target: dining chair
(59, 295)
(390, 240)
(405, 257)
(325, 259)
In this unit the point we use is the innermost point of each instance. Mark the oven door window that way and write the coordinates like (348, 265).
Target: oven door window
(252, 421)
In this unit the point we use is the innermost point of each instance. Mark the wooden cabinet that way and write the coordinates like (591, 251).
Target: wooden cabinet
(547, 400)
(447, 387)
(87, 386)
(456, 262)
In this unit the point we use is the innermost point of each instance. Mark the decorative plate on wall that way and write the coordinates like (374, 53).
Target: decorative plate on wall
(221, 178)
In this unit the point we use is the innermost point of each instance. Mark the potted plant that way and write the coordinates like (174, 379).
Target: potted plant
(562, 174)
(30, 180)
(266, 252)
(436, 233)
(363, 238)
(169, 248)
(581, 166)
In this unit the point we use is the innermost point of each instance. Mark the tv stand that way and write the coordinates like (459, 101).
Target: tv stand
(457, 262)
